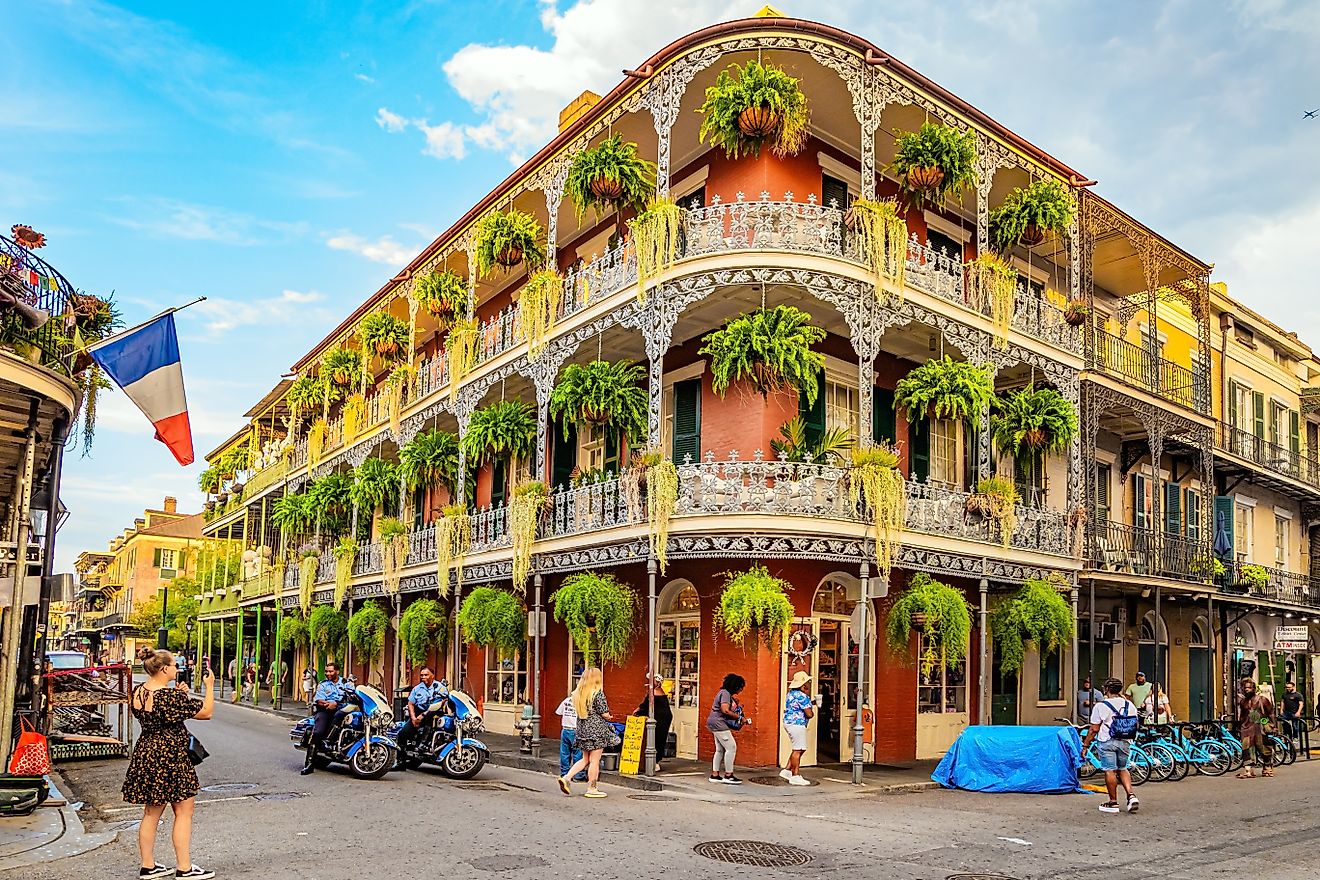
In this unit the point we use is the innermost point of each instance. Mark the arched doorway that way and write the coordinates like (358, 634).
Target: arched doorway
(1146, 642)
(1200, 681)
(679, 618)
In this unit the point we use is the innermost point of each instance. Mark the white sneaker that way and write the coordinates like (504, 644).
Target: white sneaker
(797, 780)
(785, 773)
(1133, 804)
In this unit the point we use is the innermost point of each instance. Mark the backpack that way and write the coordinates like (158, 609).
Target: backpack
(1122, 726)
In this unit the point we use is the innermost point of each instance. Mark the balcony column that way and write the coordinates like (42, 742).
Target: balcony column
(663, 97)
(984, 451)
(865, 406)
(551, 182)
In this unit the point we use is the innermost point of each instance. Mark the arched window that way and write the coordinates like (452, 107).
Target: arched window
(1147, 630)
(1200, 631)
(837, 594)
(680, 642)
(1244, 635)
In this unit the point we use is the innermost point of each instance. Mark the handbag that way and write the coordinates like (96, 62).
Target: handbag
(197, 752)
(32, 753)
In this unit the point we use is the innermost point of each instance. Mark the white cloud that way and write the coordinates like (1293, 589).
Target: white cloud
(172, 218)
(115, 413)
(223, 315)
(443, 141)
(391, 122)
(362, 77)
(382, 250)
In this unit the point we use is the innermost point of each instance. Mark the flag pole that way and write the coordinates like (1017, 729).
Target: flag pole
(101, 342)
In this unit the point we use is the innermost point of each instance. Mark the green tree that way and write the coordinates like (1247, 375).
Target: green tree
(179, 609)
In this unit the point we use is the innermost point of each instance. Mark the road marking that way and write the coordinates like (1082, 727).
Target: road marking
(1019, 841)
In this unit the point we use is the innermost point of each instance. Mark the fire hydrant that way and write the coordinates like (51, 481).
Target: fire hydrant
(523, 725)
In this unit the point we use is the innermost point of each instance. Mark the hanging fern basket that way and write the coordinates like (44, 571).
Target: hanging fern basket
(918, 622)
(925, 178)
(1076, 313)
(1032, 235)
(509, 257)
(607, 189)
(386, 347)
(758, 122)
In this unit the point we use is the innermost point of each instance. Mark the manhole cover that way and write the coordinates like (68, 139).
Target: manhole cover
(772, 780)
(980, 877)
(756, 853)
(230, 786)
(652, 797)
(507, 863)
(278, 796)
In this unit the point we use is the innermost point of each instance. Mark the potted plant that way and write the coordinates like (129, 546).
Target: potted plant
(306, 394)
(997, 498)
(345, 555)
(525, 507)
(393, 552)
(1075, 312)
(343, 366)
(752, 106)
(609, 175)
(494, 618)
(658, 474)
(366, 631)
(770, 348)
(882, 238)
(209, 480)
(461, 352)
(603, 395)
(385, 336)
(506, 239)
(292, 515)
(944, 389)
(939, 613)
(599, 613)
(309, 560)
(430, 459)
(422, 626)
(396, 386)
(442, 293)
(538, 305)
(655, 234)
(754, 604)
(1037, 614)
(831, 447)
(1033, 420)
(875, 484)
(1256, 577)
(1026, 215)
(351, 418)
(328, 630)
(293, 631)
(503, 428)
(453, 538)
(934, 161)
(330, 501)
(992, 287)
(375, 484)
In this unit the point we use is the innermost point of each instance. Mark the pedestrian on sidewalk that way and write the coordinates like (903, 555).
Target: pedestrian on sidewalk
(249, 681)
(275, 682)
(1087, 697)
(1165, 715)
(797, 711)
(726, 716)
(1139, 690)
(1294, 702)
(1113, 727)
(568, 750)
(308, 686)
(664, 715)
(594, 732)
(1255, 718)
(160, 771)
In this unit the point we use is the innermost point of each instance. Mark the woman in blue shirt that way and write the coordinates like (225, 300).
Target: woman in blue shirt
(797, 710)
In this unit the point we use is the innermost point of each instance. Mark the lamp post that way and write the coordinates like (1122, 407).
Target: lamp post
(163, 633)
(187, 640)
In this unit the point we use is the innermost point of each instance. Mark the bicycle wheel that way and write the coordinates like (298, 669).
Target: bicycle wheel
(1164, 764)
(1139, 764)
(1216, 759)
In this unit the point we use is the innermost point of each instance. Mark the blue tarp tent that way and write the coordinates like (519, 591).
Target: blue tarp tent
(1041, 760)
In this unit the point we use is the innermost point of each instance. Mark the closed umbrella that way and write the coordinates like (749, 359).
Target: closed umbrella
(1223, 546)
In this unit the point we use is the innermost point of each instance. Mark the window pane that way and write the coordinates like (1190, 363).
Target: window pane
(1051, 687)
(944, 451)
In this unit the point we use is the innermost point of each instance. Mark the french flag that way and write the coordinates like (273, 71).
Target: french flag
(144, 362)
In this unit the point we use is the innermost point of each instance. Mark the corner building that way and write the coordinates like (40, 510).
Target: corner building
(760, 231)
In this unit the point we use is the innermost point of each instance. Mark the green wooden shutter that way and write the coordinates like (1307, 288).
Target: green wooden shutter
(687, 421)
(155, 558)
(564, 455)
(612, 445)
(419, 507)
(883, 421)
(1294, 432)
(1258, 408)
(499, 482)
(1103, 475)
(1224, 513)
(919, 450)
(1233, 415)
(814, 414)
(971, 452)
(1172, 508)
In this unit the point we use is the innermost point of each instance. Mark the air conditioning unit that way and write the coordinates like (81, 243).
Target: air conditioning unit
(1105, 631)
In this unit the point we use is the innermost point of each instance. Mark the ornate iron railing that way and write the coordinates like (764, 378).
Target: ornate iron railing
(1135, 364)
(1128, 549)
(1280, 584)
(604, 275)
(1269, 455)
(38, 284)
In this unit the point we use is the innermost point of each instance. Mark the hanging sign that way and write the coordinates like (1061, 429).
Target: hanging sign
(1292, 638)
(634, 738)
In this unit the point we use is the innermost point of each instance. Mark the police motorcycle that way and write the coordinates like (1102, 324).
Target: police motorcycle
(358, 737)
(446, 736)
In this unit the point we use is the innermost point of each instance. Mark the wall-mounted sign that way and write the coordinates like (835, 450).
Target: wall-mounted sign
(1292, 638)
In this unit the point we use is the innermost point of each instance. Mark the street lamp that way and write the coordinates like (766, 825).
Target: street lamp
(187, 640)
(163, 633)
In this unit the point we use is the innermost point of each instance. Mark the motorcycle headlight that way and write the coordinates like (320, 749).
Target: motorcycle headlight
(382, 718)
(472, 723)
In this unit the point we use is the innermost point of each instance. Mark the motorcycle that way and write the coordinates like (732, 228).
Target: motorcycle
(358, 735)
(446, 736)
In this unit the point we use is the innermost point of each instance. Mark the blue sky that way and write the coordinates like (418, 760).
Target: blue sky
(286, 158)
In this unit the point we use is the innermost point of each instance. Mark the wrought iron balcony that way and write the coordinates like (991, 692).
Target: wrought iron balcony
(1128, 549)
(1158, 375)
(1267, 582)
(1270, 456)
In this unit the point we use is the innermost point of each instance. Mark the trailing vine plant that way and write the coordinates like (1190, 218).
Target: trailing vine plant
(366, 630)
(316, 442)
(992, 284)
(997, 498)
(875, 484)
(600, 614)
(882, 236)
(422, 626)
(396, 384)
(940, 613)
(345, 555)
(656, 233)
(770, 348)
(754, 604)
(525, 507)
(309, 560)
(538, 304)
(661, 502)
(393, 553)
(494, 618)
(453, 539)
(353, 415)
(461, 352)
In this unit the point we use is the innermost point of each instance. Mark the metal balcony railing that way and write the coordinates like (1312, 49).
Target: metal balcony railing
(1258, 450)
(1162, 377)
(1126, 549)
(1268, 582)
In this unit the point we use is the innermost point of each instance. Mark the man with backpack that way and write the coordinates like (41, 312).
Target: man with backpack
(1113, 728)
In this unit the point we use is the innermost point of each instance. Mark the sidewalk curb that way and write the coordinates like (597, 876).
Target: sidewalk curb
(518, 761)
(63, 833)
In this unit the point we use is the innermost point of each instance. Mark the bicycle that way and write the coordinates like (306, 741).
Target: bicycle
(1208, 756)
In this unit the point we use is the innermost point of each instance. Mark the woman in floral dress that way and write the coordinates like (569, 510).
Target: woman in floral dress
(594, 732)
(160, 772)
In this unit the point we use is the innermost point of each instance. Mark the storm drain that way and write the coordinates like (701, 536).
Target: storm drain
(220, 787)
(652, 797)
(757, 853)
(980, 877)
(278, 796)
(507, 863)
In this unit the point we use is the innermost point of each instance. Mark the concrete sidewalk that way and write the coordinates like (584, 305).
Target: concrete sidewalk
(53, 831)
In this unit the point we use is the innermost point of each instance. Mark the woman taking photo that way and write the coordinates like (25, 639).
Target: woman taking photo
(726, 716)
(160, 771)
(594, 732)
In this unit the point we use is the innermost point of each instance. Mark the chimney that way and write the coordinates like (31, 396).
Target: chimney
(577, 108)
(139, 524)
(171, 504)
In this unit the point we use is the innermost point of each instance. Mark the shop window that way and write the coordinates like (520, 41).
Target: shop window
(506, 676)
(680, 659)
(1051, 676)
(577, 663)
(832, 598)
(944, 689)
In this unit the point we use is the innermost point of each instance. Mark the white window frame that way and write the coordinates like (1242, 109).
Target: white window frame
(1281, 541)
(1143, 514)
(836, 169)
(494, 663)
(933, 696)
(690, 184)
(1244, 528)
(945, 434)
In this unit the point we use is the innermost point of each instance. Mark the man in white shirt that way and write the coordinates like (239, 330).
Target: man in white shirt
(568, 750)
(1113, 751)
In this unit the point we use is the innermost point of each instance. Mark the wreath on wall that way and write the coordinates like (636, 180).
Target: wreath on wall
(801, 643)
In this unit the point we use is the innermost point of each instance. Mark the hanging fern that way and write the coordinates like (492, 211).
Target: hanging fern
(330, 500)
(882, 237)
(345, 555)
(992, 285)
(442, 293)
(424, 625)
(304, 396)
(209, 481)
(343, 367)
(504, 428)
(453, 539)
(506, 239)
(366, 631)
(430, 459)
(529, 499)
(291, 514)
(934, 161)
(600, 614)
(754, 603)
(753, 87)
(948, 622)
(308, 562)
(328, 629)
(376, 484)
(603, 394)
(1026, 214)
(876, 485)
(944, 389)
(656, 233)
(494, 618)
(609, 175)
(385, 336)
(293, 631)
(1033, 420)
(771, 349)
(1038, 615)
(538, 303)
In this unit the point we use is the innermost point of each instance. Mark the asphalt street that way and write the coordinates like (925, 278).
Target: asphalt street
(259, 819)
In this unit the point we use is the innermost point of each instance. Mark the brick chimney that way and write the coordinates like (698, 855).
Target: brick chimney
(171, 504)
(577, 108)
